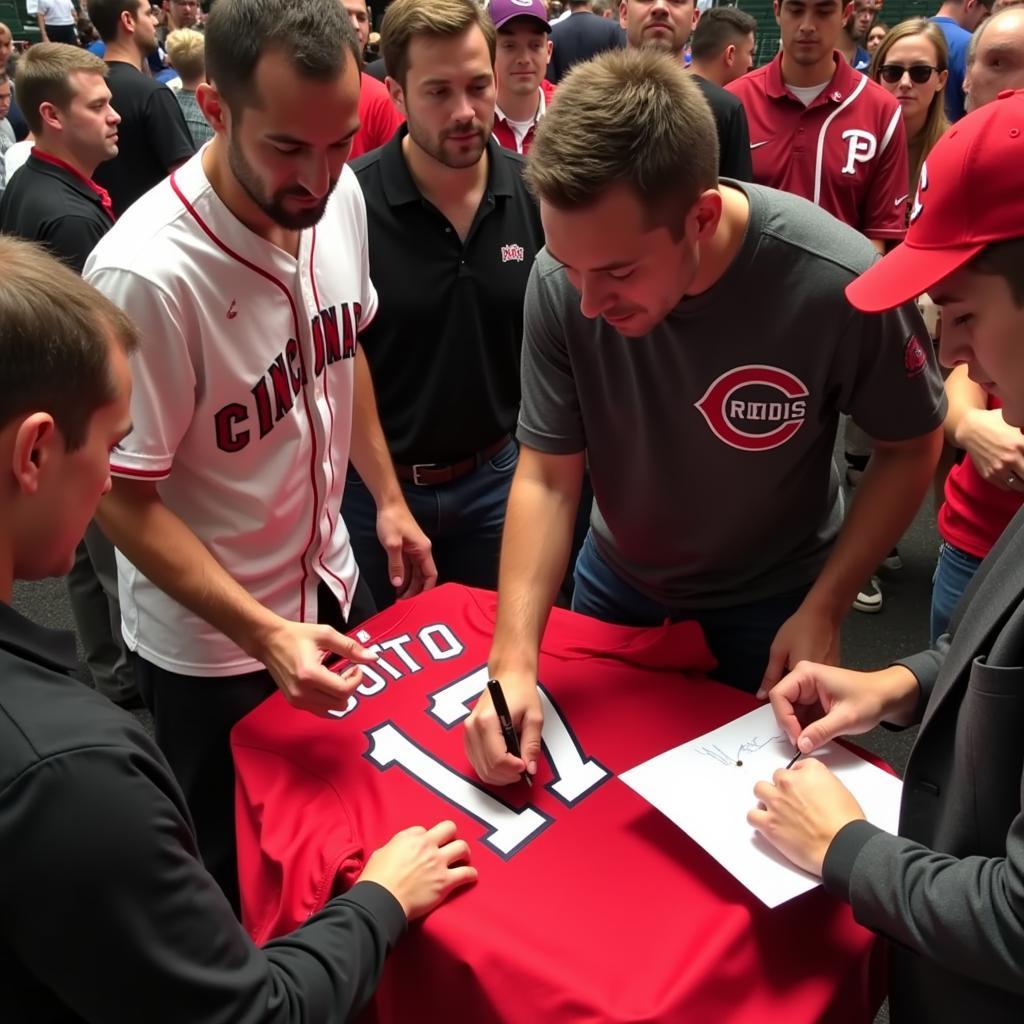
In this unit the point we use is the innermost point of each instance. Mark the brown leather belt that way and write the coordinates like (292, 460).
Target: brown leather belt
(431, 474)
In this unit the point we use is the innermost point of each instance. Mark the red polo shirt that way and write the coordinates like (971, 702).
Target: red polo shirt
(846, 151)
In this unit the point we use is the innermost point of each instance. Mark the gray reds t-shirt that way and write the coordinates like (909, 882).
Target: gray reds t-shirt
(710, 439)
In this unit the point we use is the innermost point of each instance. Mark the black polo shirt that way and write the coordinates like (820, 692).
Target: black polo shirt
(444, 347)
(152, 136)
(49, 202)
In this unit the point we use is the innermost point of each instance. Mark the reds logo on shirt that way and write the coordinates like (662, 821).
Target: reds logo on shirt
(915, 359)
(755, 408)
(512, 253)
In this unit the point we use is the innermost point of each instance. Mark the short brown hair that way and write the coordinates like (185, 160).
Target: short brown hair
(1005, 260)
(186, 51)
(54, 340)
(106, 16)
(44, 76)
(407, 19)
(629, 117)
(315, 35)
(718, 28)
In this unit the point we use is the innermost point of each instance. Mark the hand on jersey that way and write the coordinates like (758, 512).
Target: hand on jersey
(293, 654)
(816, 703)
(411, 566)
(421, 867)
(485, 746)
(801, 810)
(807, 635)
(996, 448)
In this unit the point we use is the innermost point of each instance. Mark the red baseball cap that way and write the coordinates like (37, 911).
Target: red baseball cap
(969, 196)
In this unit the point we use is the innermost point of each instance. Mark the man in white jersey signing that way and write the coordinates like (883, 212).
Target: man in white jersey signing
(247, 274)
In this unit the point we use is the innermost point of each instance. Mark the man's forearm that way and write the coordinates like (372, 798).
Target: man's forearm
(886, 501)
(369, 453)
(534, 554)
(173, 558)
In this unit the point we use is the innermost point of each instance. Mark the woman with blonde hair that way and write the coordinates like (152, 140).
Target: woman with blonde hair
(912, 62)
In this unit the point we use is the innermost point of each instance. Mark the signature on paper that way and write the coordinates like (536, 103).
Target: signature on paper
(716, 753)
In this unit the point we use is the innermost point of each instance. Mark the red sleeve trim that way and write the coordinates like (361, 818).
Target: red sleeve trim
(140, 474)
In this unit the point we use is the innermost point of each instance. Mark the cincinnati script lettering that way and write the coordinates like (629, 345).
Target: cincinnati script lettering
(273, 395)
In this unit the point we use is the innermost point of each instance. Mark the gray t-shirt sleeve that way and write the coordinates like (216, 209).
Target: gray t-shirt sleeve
(888, 376)
(550, 419)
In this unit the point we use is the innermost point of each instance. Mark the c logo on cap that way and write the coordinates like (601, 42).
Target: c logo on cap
(922, 186)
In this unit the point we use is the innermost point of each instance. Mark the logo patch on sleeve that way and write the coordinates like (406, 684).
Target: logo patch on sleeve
(755, 408)
(915, 358)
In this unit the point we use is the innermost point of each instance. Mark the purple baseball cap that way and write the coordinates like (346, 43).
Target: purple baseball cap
(503, 11)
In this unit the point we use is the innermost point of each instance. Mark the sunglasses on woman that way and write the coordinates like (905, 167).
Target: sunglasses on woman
(919, 73)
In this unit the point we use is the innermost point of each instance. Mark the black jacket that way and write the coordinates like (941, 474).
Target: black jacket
(581, 36)
(106, 913)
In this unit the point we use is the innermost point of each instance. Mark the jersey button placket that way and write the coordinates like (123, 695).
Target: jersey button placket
(315, 415)
(798, 138)
(311, 313)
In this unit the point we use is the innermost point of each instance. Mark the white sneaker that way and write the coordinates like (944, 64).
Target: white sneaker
(869, 600)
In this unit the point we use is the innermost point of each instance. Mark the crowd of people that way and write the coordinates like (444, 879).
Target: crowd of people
(304, 310)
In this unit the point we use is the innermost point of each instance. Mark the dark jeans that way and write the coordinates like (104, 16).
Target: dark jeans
(953, 571)
(739, 636)
(193, 717)
(463, 520)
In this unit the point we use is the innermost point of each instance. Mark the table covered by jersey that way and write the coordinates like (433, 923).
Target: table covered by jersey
(590, 906)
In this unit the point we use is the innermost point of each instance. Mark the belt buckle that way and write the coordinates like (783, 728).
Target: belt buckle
(417, 466)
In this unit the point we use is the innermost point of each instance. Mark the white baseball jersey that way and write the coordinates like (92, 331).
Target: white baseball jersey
(242, 401)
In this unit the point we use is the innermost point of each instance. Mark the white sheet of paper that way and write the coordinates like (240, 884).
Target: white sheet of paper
(706, 787)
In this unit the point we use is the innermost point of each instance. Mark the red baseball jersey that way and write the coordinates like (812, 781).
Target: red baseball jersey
(590, 905)
(846, 151)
